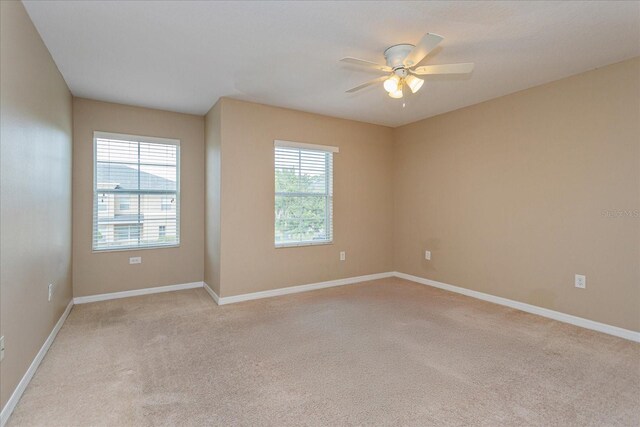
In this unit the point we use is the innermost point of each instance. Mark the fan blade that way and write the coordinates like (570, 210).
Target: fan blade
(444, 69)
(369, 83)
(426, 44)
(369, 64)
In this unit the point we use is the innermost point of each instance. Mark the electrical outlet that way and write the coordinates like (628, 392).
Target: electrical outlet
(343, 256)
(427, 255)
(1, 348)
(581, 281)
(135, 260)
(50, 291)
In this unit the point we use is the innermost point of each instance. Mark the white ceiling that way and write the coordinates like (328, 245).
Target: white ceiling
(182, 56)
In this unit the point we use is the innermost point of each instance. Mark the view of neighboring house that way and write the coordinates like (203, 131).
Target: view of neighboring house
(126, 215)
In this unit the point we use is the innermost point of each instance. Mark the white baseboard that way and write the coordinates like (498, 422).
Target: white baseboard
(533, 309)
(24, 382)
(296, 289)
(136, 292)
(211, 292)
(540, 311)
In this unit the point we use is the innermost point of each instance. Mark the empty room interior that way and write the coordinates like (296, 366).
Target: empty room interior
(285, 213)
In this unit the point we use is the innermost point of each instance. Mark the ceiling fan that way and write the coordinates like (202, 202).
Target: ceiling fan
(401, 69)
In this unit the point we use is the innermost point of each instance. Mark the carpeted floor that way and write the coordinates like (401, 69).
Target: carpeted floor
(387, 352)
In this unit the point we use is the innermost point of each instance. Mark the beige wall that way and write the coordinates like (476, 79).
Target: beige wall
(212, 128)
(362, 191)
(35, 175)
(511, 196)
(103, 272)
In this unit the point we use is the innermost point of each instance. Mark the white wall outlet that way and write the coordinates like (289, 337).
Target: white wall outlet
(1, 348)
(427, 255)
(343, 255)
(50, 291)
(135, 260)
(581, 281)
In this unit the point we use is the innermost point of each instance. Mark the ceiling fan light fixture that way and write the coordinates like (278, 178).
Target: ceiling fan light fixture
(392, 84)
(402, 68)
(414, 83)
(396, 94)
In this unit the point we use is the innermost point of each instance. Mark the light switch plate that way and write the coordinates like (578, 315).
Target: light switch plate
(135, 260)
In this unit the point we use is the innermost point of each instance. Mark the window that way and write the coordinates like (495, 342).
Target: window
(102, 232)
(167, 204)
(134, 178)
(103, 204)
(126, 233)
(303, 194)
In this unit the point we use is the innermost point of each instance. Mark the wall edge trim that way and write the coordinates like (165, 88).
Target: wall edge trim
(302, 288)
(136, 292)
(528, 308)
(211, 292)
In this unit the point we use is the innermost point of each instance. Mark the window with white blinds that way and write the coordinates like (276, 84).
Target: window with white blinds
(303, 194)
(136, 192)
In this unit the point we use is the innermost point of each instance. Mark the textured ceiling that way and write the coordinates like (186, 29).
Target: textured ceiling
(183, 56)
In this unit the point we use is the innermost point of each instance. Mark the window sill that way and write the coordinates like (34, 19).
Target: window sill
(302, 244)
(133, 249)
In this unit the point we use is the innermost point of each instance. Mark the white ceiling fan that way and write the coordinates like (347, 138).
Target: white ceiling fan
(401, 69)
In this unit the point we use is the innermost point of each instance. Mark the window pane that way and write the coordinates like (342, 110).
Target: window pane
(111, 150)
(160, 225)
(158, 154)
(158, 177)
(116, 176)
(301, 218)
(129, 233)
(301, 170)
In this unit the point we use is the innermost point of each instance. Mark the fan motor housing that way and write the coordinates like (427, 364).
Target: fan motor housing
(395, 54)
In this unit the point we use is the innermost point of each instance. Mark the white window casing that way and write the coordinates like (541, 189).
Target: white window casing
(136, 192)
(303, 194)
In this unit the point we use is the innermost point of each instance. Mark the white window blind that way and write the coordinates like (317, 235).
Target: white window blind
(136, 192)
(303, 194)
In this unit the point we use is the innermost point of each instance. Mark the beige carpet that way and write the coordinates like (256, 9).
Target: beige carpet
(387, 352)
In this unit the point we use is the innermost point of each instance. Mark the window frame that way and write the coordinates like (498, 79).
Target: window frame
(94, 212)
(329, 194)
